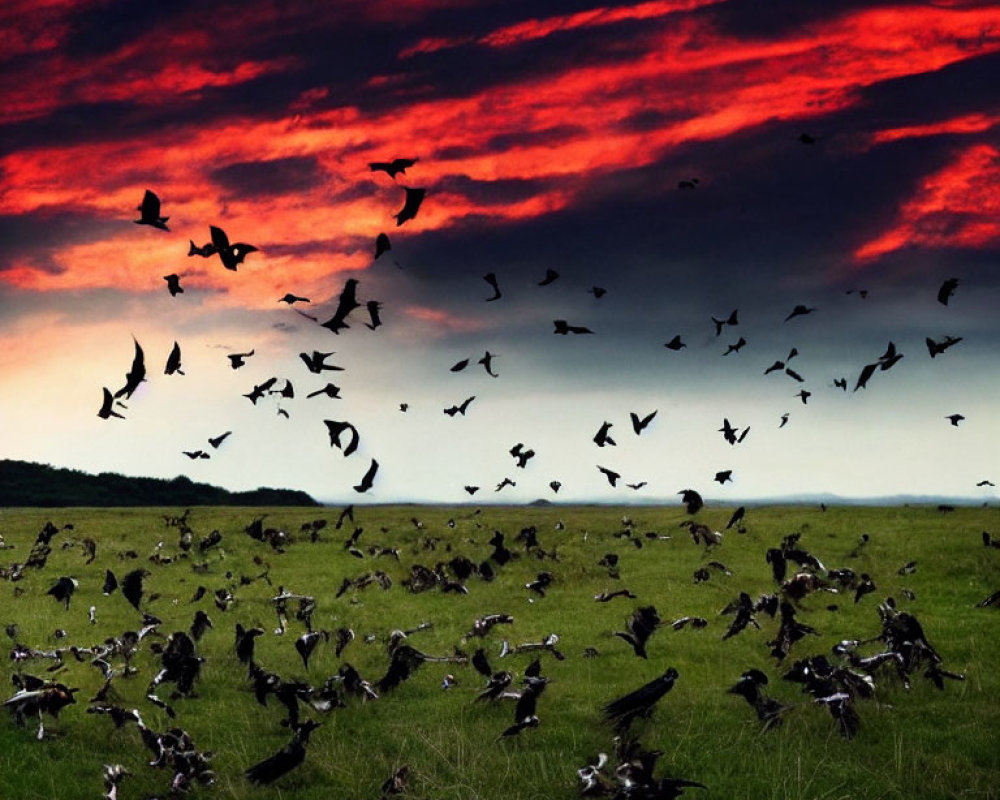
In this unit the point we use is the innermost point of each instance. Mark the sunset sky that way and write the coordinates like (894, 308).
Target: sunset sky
(690, 157)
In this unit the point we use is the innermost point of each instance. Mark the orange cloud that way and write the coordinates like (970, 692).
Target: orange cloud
(957, 206)
(969, 123)
(444, 321)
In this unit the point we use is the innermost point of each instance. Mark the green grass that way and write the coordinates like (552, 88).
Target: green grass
(921, 743)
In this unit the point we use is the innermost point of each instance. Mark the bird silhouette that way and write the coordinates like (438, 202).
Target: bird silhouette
(382, 245)
(206, 250)
(639, 425)
(723, 476)
(491, 279)
(231, 255)
(132, 588)
(935, 348)
(487, 362)
(675, 344)
(947, 291)
(392, 168)
(373, 307)
(237, 360)
(174, 361)
(315, 361)
(136, 373)
(174, 284)
(550, 276)
(804, 395)
(601, 438)
(347, 302)
(107, 406)
(597, 291)
(732, 319)
(504, 483)
(563, 327)
(639, 627)
(291, 299)
(63, 590)
(955, 419)
(784, 420)
(611, 475)
(218, 440)
(331, 391)
(798, 311)
(414, 197)
(459, 409)
(336, 430)
(471, 489)
(259, 390)
(149, 212)
(639, 703)
(368, 479)
(735, 348)
(555, 486)
(194, 455)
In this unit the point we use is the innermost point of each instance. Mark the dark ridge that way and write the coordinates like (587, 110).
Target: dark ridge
(25, 483)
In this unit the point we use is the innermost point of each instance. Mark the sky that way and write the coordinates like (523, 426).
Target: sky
(692, 158)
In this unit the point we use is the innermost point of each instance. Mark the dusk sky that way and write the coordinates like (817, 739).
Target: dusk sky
(690, 157)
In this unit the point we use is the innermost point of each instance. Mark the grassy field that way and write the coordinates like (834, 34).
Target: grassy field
(921, 742)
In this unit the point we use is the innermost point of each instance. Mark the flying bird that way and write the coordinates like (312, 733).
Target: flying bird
(735, 348)
(601, 438)
(392, 168)
(174, 361)
(639, 425)
(259, 390)
(107, 406)
(639, 703)
(459, 409)
(414, 197)
(491, 279)
(563, 327)
(368, 478)
(347, 302)
(382, 245)
(237, 360)
(692, 500)
(732, 319)
(798, 311)
(373, 307)
(947, 290)
(174, 284)
(136, 373)
(935, 348)
(315, 361)
(231, 255)
(330, 390)
(675, 344)
(336, 429)
(724, 475)
(550, 276)
(149, 212)
(955, 419)
(218, 440)
(597, 291)
(611, 475)
(291, 299)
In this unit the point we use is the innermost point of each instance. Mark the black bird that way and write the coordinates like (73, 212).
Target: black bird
(207, 250)
(174, 361)
(936, 348)
(246, 639)
(259, 390)
(505, 482)
(527, 703)
(692, 500)
(335, 429)
(947, 290)
(291, 299)
(735, 348)
(107, 406)
(724, 475)
(791, 373)
(392, 168)
(675, 343)
(889, 357)
(471, 489)
(368, 478)
(149, 212)
(414, 197)
(639, 425)
(491, 279)
(382, 245)
(315, 362)
(218, 440)
(639, 627)
(597, 291)
(286, 759)
(195, 454)
(237, 360)
(346, 303)
(804, 395)
(63, 590)
(955, 419)
(458, 366)
(639, 703)
(601, 438)
(611, 475)
(306, 644)
(732, 319)
(174, 284)
(550, 276)
(522, 455)
(110, 582)
(799, 311)
(131, 586)
(285, 391)
(136, 373)
(555, 486)
(330, 390)
(563, 327)
(487, 362)
(866, 373)
(459, 409)
(231, 255)
(373, 307)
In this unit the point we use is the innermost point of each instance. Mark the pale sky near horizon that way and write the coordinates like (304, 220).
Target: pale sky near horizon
(691, 157)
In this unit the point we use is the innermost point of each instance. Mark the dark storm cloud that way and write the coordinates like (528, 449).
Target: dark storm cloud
(106, 27)
(778, 19)
(36, 237)
(510, 190)
(275, 177)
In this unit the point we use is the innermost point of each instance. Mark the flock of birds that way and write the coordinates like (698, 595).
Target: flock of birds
(232, 255)
(841, 681)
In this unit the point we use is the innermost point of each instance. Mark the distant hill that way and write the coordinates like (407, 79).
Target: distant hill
(24, 483)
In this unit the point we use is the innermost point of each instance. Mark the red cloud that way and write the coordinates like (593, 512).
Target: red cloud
(957, 206)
